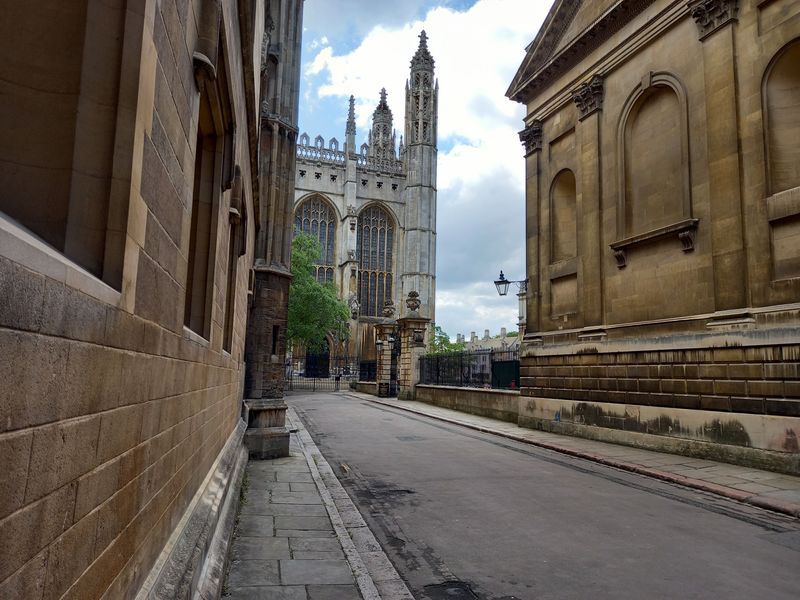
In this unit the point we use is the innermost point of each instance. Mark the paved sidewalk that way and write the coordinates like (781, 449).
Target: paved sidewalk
(764, 489)
(299, 537)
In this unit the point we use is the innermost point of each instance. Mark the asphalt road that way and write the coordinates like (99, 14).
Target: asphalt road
(495, 519)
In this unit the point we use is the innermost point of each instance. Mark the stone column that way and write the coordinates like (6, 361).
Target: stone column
(531, 138)
(589, 99)
(412, 347)
(716, 24)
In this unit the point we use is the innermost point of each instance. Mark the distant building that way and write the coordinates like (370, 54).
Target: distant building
(663, 224)
(500, 342)
(373, 207)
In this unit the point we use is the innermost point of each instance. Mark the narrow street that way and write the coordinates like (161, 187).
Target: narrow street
(496, 519)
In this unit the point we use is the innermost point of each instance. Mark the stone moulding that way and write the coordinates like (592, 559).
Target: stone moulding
(684, 230)
(711, 15)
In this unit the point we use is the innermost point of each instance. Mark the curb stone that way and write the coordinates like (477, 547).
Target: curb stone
(786, 508)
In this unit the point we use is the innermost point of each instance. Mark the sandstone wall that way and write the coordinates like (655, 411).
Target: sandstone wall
(112, 412)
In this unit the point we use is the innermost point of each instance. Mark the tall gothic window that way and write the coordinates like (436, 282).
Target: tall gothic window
(375, 245)
(317, 218)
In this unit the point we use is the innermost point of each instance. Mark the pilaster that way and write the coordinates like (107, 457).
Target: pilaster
(531, 138)
(589, 100)
(715, 20)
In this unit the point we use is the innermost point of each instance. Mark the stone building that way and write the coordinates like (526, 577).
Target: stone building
(373, 208)
(663, 225)
(132, 197)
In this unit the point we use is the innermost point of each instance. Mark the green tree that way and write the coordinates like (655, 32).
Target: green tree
(315, 311)
(441, 342)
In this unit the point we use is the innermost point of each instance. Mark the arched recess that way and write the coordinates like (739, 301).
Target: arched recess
(563, 217)
(781, 96)
(376, 234)
(316, 216)
(654, 180)
(781, 107)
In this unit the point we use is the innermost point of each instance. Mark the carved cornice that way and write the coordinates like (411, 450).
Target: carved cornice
(589, 96)
(531, 137)
(710, 15)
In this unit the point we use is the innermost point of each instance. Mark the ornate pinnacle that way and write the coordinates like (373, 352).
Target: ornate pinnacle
(423, 58)
(351, 117)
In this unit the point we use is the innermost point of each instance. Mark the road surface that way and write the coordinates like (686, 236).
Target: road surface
(463, 514)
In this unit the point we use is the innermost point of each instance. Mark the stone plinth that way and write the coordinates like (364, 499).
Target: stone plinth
(266, 436)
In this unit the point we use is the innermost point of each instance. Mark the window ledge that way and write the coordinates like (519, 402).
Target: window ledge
(684, 230)
(23, 247)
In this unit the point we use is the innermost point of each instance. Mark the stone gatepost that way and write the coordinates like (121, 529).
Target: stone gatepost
(412, 348)
(385, 332)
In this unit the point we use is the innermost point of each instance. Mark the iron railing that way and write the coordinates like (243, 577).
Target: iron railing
(321, 372)
(496, 369)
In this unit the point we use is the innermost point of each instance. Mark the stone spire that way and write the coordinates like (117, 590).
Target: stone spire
(421, 97)
(350, 130)
(381, 137)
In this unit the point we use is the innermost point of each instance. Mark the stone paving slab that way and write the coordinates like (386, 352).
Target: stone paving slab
(765, 489)
(291, 542)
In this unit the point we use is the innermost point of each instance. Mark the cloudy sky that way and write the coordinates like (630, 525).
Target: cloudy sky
(359, 46)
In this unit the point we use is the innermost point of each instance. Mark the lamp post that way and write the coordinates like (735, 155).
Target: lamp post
(502, 284)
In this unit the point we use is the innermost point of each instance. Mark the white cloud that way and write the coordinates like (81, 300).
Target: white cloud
(481, 169)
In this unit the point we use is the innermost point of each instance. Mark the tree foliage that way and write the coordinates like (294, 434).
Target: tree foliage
(441, 343)
(315, 310)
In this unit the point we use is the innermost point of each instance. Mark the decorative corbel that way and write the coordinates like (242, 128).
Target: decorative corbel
(710, 15)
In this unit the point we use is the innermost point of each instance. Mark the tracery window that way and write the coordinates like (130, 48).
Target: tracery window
(375, 254)
(317, 218)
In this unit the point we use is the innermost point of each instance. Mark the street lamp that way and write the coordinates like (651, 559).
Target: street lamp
(502, 284)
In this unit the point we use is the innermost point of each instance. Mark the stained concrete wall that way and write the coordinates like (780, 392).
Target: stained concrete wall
(112, 413)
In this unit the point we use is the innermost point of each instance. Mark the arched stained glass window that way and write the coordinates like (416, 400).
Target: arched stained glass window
(318, 218)
(375, 244)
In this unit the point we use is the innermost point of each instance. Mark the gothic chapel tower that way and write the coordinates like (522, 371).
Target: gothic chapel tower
(419, 268)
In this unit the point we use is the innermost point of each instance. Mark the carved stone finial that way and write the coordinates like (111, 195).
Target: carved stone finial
(531, 137)
(710, 15)
(422, 59)
(412, 302)
(589, 96)
(351, 117)
(388, 309)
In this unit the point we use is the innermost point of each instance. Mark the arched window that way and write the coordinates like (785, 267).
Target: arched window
(375, 255)
(316, 217)
(563, 217)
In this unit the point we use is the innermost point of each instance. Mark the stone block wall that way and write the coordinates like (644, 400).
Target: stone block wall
(495, 404)
(112, 412)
